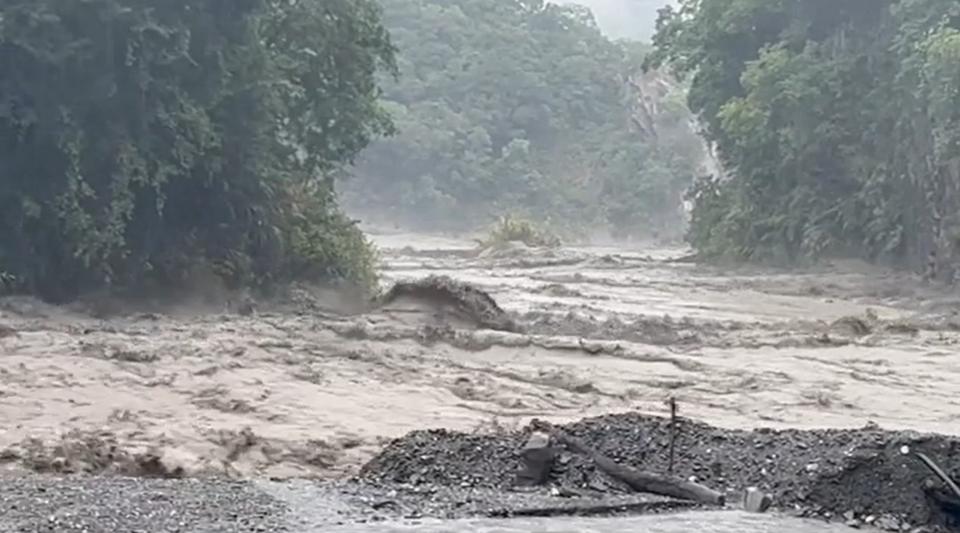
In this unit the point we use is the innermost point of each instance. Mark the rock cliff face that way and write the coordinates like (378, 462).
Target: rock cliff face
(652, 94)
(658, 113)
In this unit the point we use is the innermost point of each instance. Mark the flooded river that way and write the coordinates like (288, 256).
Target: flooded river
(740, 348)
(311, 388)
(713, 522)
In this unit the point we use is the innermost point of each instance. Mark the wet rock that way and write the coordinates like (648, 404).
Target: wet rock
(888, 523)
(850, 520)
(537, 441)
(756, 501)
(538, 457)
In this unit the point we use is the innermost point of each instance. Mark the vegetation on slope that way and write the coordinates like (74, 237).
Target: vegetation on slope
(839, 121)
(522, 106)
(142, 139)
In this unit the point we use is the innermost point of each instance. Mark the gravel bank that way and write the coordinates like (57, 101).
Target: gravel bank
(118, 504)
(113, 505)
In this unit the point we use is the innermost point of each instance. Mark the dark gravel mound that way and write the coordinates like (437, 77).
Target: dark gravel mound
(858, 476)
(445, 457)
(472, 303)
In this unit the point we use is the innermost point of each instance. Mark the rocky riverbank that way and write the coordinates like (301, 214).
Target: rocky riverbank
(859, 477)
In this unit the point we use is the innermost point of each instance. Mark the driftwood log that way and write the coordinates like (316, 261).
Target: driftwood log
(635, 479)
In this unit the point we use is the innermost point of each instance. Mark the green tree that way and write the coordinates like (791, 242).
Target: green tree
(836, 120)
(141, 138)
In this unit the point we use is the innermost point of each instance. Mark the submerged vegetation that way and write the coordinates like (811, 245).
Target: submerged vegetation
(838, 122)
(511, 229)
(140, 139)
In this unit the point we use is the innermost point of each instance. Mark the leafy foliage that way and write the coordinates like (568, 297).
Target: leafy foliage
(838, 121)
(519, 106)
(141, 137)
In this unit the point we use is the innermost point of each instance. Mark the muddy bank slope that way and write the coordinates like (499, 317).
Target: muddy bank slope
(854, 476)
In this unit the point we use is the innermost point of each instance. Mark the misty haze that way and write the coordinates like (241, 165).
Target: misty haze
(480, 265)
(627, 19)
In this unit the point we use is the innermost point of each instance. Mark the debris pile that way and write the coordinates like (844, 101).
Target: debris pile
(865, 476)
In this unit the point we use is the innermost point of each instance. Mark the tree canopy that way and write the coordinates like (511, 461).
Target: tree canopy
(522, 106)
(837, 121)
(141, 138)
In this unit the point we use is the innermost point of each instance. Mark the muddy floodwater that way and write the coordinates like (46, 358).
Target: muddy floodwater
(315, 385)
(714, 522)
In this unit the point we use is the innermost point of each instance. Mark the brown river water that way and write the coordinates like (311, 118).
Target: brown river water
(716, 522)
(310, 388)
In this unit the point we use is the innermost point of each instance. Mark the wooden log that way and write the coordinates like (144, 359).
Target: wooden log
(635, 479)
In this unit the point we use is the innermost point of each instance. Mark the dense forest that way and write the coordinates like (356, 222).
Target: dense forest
(838, 122)
(140, 141)
(143, 141)
(524, 107)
